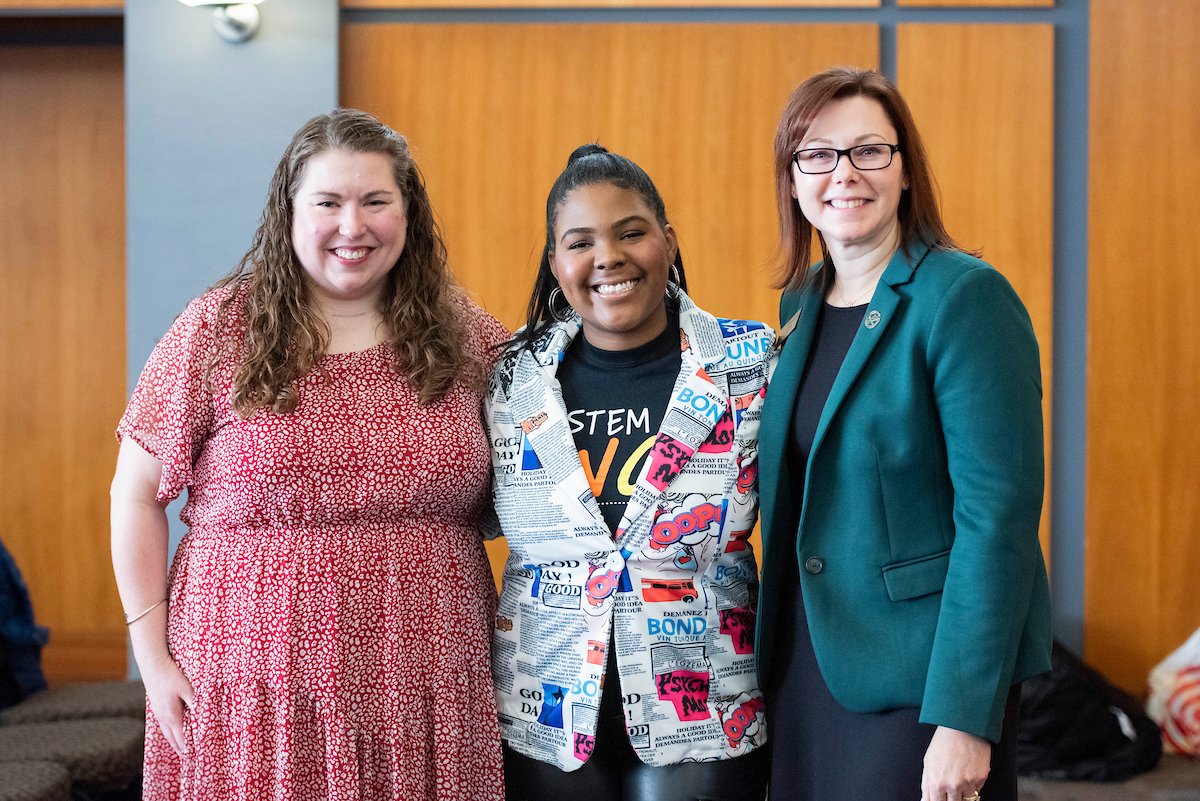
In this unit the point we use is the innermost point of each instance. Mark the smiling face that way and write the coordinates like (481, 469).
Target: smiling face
(612, 260)
(853, 209)
(349, 225)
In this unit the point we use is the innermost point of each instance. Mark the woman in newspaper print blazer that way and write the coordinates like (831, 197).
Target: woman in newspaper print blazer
(673, 587)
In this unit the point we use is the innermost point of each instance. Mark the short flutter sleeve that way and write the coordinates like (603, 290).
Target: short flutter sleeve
(171, 412)
(485, 334)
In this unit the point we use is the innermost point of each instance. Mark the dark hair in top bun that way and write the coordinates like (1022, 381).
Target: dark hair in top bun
(587, 165)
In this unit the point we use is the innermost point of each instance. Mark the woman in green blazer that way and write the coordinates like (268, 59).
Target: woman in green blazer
(903, 595)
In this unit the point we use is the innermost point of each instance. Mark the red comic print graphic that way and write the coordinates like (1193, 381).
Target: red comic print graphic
(738, 541)
(667, 457)
(747, 477)
(668, 531)
(533, 422)
(584, 743)
(667, 590)
(740, 720)
(738, 623)
(687, 690)
(595, 652)
(601, 584)
(721, 438)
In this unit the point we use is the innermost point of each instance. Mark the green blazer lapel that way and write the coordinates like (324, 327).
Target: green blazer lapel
(880, 313)
(781, 398)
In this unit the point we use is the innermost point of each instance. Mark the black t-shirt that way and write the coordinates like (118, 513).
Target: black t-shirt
(615, 404)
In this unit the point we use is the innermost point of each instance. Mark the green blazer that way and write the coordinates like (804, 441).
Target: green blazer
(917, 543)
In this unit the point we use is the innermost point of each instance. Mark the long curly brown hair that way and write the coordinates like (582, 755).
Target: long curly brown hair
(282, 336)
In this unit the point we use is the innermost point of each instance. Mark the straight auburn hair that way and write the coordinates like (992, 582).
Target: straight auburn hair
(920, 218)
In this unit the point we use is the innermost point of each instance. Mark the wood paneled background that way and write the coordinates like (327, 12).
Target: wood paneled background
(62, 336)
(1142, 574)
(60, 4)
(977, 3)
(601, 3)
(983, 97)
(493, 111)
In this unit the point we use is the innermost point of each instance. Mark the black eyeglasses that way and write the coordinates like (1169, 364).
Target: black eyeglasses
(819, 160)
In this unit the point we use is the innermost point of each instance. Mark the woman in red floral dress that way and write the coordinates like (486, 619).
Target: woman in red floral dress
(326, 619)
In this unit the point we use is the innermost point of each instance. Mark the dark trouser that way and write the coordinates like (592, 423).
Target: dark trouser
(614, 773)
(820, 751)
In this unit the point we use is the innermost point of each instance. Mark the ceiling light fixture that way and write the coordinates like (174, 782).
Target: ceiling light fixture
(234, 22)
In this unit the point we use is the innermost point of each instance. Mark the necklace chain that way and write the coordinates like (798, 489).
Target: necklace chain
(857, 298)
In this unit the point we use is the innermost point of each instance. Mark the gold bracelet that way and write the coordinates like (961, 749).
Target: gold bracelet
(143, 613)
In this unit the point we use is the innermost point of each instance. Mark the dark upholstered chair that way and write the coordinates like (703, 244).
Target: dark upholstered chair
(86, 735)
(105, 752)
(113, 699)
(34, 781)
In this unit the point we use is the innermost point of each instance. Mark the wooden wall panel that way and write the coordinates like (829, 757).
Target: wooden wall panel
(602, 3)
(493, 111)
(977, 3)
(60, 4)
(62, 336)
(1142, 557)
(983, 98)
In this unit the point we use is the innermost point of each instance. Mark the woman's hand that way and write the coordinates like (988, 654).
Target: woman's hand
(956, 765)
(139, 549)
(169, 692)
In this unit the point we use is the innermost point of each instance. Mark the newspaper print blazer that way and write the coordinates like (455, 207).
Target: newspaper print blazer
(678, 585)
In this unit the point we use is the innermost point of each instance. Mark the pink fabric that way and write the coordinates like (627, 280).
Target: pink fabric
(331, 603)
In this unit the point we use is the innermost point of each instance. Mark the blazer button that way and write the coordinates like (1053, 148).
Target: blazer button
(814, 564)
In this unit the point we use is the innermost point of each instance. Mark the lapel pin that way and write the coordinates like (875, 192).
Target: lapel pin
(873, 318)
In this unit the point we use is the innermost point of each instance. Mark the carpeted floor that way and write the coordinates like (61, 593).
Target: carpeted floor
(1175, 779)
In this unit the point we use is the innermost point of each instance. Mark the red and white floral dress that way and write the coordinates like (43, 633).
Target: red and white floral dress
(331, 604)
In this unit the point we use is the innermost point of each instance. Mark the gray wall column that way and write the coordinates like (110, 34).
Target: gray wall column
(205, 124)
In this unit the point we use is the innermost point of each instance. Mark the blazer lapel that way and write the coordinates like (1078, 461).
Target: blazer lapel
(781, 399)
(697, 403)
(878, 317)
(536, 407)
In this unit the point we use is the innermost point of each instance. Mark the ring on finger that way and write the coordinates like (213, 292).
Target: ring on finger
(973, 797)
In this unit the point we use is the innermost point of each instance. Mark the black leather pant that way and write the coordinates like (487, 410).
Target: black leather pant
(615, 777)
(614, 773)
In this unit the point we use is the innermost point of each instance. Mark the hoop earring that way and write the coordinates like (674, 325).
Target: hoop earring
(561, 316)
(674, 290)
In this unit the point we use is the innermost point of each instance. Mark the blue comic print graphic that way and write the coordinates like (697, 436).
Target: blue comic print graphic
(552, 705)
(733, 328)
(529, 457)
(537, 579)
